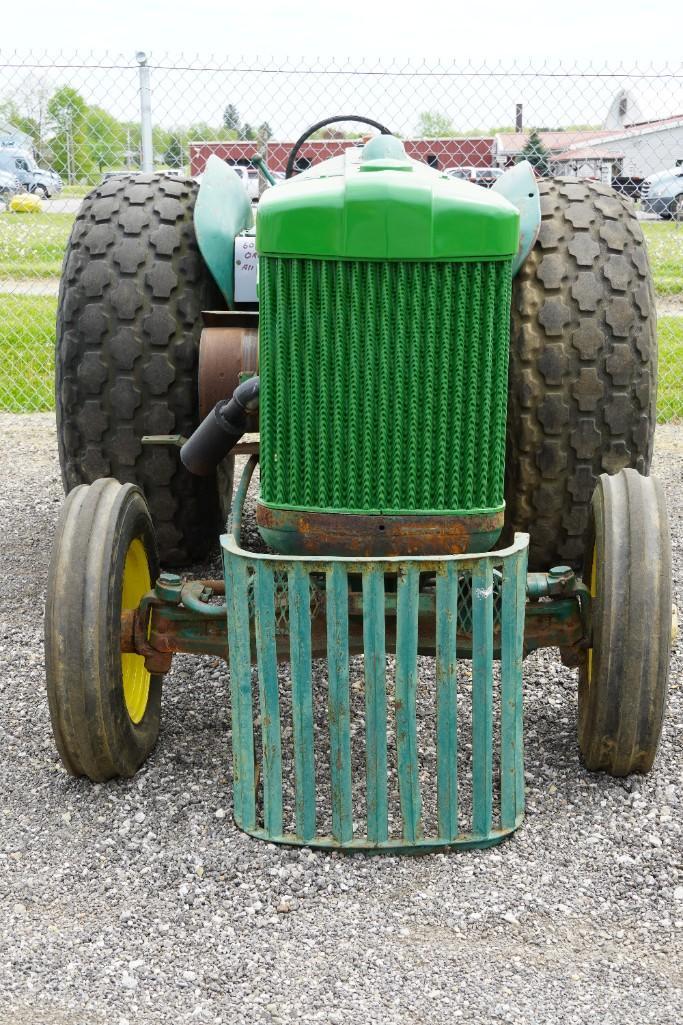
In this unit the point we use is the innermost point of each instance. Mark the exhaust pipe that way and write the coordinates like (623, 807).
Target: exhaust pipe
(220, 430)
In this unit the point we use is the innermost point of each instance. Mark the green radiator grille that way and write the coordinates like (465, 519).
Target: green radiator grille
(383, 385)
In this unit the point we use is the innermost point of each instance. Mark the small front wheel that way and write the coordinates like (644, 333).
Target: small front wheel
(623, 681)
(104, 705)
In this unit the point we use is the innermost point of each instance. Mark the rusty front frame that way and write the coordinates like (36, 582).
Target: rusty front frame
(175, 629)
(557, 614)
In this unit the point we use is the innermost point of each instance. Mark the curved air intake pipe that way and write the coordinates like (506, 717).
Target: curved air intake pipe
(219, 432)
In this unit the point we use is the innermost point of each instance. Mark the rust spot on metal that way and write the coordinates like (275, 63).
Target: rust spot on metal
(224, 354)
(302, 532)
(159, 662)
(128, 631)
(245, 448)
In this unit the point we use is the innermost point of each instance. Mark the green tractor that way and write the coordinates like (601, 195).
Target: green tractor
(454, 394)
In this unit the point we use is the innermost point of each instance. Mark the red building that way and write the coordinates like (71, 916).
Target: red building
(231, 152)
(442, 153)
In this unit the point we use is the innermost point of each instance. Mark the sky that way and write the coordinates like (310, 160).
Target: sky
(586, 29)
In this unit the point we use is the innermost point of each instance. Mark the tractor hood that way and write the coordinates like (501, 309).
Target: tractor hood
(376, 203)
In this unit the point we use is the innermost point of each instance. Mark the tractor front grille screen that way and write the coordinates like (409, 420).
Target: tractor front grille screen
(383, 385)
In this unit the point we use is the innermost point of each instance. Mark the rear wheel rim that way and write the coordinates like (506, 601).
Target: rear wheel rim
(136, 678)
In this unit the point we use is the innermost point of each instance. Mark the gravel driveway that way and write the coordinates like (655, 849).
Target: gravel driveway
(139, 902)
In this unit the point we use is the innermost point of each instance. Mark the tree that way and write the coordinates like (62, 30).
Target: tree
(264, 132)
(27, 109)
(106, 138)
(71, 149)
(200, 131)
(536, 153)
(161, 139)
(338, 132)
(432, 125)
(174, 154)
(231, 118)
(10, 112)
(247, 132)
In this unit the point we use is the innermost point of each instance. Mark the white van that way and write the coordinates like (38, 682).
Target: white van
(36, 179)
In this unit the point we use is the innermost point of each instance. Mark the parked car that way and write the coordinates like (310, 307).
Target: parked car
(36, 179)
(662, 194)
(486, 176)
(464, 173)
(250, 178)
(9, 186)
(628, 185)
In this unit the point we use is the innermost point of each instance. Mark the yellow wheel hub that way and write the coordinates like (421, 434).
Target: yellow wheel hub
(594, 591)
(136, 583)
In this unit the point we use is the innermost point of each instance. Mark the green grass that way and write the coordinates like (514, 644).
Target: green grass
(670, 390)
(32, 245)
(75, 191)
(665, 248)
(27, 342)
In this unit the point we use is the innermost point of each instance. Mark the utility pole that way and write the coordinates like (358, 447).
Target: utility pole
(147, 146)
(70, 168)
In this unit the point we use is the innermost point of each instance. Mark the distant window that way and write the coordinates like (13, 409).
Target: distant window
(432, 160)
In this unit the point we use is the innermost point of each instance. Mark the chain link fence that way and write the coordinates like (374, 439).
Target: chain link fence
(68, 120)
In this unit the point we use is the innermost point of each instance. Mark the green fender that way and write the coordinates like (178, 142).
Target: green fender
(221, 212)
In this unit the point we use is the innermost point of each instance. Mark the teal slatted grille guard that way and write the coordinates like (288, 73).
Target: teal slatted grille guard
(358, 768)
(383, 385)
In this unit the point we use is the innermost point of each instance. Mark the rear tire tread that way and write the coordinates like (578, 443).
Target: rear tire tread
(583, 365)
(129, 316)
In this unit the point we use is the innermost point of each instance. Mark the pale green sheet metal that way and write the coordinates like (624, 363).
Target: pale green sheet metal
(244, 797)
(270, 618)
(375, 705)
(482, 697)
(511, 753)
(264, 616)
(302, 699)
(447, 700)
(222, 211)
(520, 187)
(338, 702)
(406, 698)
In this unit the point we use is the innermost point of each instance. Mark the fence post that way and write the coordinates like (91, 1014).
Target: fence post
(146, 143)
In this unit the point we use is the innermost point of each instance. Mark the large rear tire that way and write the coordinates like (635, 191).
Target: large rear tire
(583, 366)
(129, 319)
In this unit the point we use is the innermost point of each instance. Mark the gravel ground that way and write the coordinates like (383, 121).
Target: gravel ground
(139, 902)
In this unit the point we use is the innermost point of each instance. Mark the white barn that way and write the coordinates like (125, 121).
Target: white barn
(636, 150)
